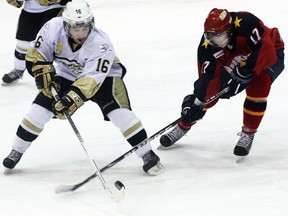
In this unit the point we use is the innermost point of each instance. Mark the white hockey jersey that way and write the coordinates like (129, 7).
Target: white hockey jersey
(33, 6)
(95, 59)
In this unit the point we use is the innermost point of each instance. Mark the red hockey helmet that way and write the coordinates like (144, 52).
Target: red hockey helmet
(217, 21)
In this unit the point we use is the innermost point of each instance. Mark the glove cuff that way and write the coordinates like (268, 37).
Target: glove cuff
(76, 99)
(241, 78)
(43, 68)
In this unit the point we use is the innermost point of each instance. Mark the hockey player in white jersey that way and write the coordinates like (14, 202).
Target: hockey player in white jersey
(86, 68)
(33, 15)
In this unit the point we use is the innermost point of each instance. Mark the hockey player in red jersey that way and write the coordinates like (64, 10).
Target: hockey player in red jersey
(237, 51)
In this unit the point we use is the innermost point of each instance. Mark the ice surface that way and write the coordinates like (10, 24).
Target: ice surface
(156, 41)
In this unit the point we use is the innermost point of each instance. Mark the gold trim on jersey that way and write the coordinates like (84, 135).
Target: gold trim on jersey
(87, 85)
(116, 59)
(34, 56)
(119, 92)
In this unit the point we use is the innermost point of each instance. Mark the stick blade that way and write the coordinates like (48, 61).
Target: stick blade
(64, 189)
(240, 159)
(118, 195)
(7, 171)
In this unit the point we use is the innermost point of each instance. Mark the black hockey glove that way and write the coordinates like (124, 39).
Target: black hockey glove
(190, 111)
(45, 76)
(237, 81)
(70, 102)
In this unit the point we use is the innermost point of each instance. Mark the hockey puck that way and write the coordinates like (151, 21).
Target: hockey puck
(119, 185)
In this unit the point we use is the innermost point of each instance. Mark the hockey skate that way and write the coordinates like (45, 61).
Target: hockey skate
(243, 145)
(12, 159)
(13, 76)
(152, 163)
(172, 137)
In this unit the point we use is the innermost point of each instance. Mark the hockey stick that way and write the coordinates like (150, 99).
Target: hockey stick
(119, 194)
(214, 97)
(69, 188)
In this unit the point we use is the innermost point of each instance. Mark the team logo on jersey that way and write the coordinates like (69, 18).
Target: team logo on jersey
(71, 65)
(237, 22)
(105, 48)
(237, 61)
(59, 47)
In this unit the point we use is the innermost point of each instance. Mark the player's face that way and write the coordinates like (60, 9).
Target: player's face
(220, 40)
(79, 34)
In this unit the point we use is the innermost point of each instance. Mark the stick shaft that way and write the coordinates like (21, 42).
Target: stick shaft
(144, 142)
(76, 131)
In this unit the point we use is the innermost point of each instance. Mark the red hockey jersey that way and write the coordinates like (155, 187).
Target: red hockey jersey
(252, 47)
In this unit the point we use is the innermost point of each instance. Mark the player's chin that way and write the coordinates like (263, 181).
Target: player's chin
(80, 41)
(222, 44)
